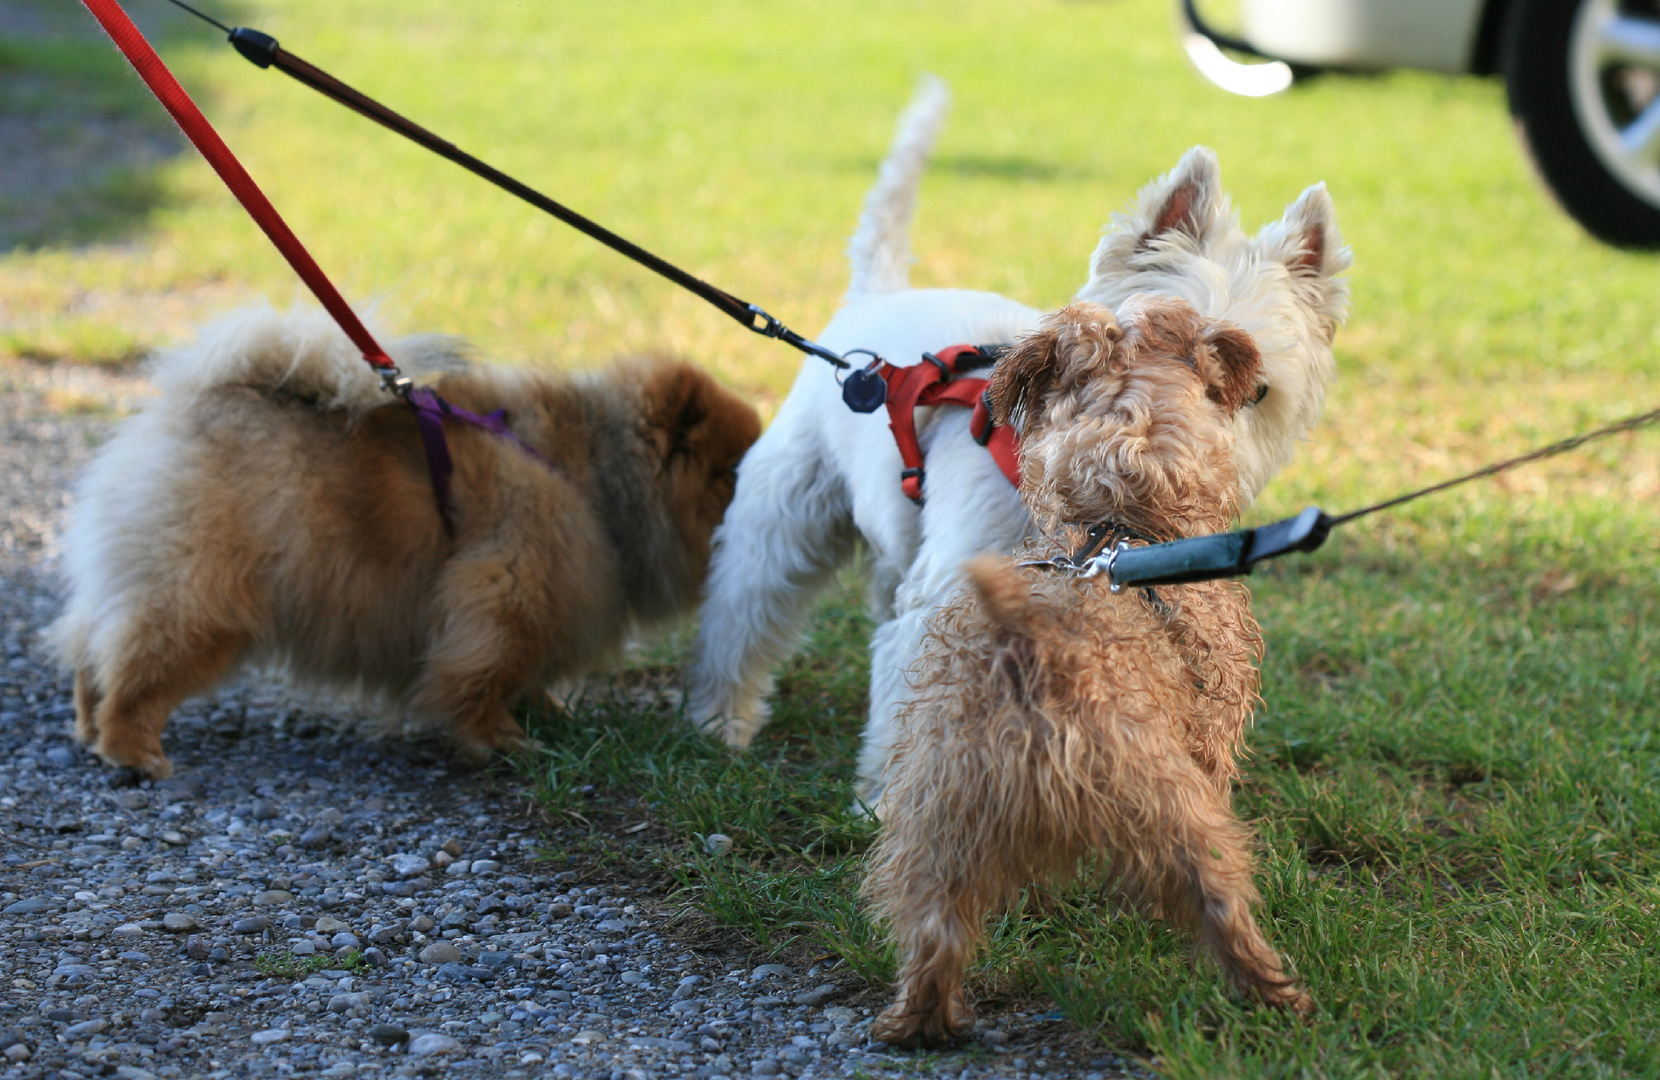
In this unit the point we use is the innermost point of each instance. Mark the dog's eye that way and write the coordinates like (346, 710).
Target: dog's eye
(1262, 392)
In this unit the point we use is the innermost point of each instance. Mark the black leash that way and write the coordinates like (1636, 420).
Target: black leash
(1234, 554)
(263, 51)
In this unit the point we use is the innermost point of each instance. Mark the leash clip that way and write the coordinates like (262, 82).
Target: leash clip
(395, 382)
(1092, 567)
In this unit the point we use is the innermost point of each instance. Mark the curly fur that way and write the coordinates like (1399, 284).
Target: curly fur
(273, 507)
(1052, 720)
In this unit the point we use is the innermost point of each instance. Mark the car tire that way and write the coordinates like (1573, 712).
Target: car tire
(1574, 98)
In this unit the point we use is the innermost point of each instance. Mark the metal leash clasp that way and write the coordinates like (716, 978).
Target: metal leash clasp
(771, 327)
(394, 381)
(1092, 567)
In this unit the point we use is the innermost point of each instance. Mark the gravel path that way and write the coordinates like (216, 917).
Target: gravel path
(299, 900)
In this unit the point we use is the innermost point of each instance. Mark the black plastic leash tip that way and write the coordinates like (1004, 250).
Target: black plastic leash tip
(257, 48)
(1231, 554)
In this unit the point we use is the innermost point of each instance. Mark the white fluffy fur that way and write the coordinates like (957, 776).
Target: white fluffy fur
(822, 474)
(880, 250)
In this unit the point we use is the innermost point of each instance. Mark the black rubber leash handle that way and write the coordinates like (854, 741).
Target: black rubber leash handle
(1231, 554)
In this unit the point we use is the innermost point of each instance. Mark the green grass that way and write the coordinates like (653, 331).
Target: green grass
(1456, 769)
(286, 965)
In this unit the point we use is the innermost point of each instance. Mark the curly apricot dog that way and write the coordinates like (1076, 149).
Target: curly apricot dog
(1054, 719)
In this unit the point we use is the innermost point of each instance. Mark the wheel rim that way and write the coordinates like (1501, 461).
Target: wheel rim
(1614, 82)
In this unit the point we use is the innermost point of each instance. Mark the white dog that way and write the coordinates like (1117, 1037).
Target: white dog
(822, 474)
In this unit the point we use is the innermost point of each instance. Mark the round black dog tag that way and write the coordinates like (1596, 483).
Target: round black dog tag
(864, 390)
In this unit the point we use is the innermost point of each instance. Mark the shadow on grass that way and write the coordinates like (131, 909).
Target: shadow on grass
(1009, 168)
(84, 140)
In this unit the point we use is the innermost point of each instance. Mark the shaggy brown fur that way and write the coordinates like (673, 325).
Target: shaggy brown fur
(1054, 719)
(270, 510)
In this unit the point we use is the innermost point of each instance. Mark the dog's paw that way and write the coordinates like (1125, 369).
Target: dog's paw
(908, 1030)
(1288, 996)
(501, 735)
(150, 764)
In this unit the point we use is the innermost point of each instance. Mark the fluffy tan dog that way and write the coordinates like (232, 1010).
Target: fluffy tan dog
(1055, 720)
(274, 508)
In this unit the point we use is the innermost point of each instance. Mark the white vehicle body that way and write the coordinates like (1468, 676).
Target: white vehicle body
(1583, 78)
(1439, 35)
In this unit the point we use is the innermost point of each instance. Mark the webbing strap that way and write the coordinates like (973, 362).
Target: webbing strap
(933, 382)
(196, 128)
(430, 413)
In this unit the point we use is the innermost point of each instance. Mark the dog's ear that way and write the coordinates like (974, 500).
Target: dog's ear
(688, 413)
(1186, 201)
(1234, 374)
(1307, 242)
(1185, 207)
(1067, 349)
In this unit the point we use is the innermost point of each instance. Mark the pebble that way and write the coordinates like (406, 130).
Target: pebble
(430, 1044)
(176, 926)
(440, 952)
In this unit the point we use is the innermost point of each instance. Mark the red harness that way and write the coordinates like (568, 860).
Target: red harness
(939, 380)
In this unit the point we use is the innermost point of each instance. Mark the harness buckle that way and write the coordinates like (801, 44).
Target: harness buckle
(980, 425)
(910, 482)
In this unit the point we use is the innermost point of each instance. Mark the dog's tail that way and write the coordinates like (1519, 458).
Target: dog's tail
(880, 250)
(1006, 594)
(301, 352)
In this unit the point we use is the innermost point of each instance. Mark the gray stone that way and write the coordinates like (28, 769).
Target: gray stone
(431, 1044)
(651, 1042)
(613, 926)
(388, 1034)
(345, 940)
(84, 970)
(340, 1003)
(132, 800)
(256, 924)
(818, 995)
(315, 837)
(177, 922)
(268, 1036)
(687, 987)
(408, 866)
(767, 971)
(61, 756)
(33, 905)
(264, 810)
(86, 1029)
(440, 952)
(274, 896)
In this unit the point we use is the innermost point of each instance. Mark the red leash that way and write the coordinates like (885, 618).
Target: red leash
(161, 82)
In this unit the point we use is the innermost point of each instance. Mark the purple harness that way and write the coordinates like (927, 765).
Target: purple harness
(430, 413)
